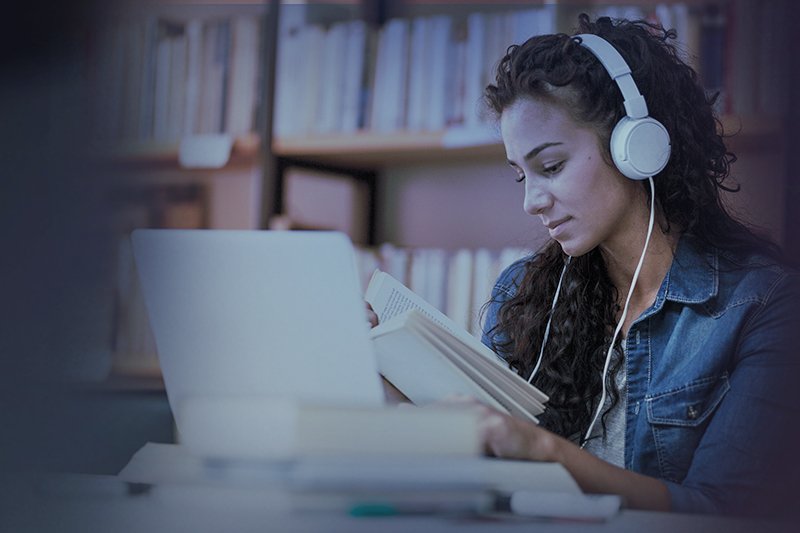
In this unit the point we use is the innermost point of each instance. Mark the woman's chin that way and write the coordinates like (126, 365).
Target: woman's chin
(574, 249)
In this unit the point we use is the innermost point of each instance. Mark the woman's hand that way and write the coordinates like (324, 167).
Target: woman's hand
(392, 394)
(511, 438)
(508, 437)
(372, 318)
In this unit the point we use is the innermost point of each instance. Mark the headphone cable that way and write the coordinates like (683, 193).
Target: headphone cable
(624, 311)
(549, 319)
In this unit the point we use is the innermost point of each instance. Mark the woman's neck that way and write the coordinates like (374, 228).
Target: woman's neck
(623, 256)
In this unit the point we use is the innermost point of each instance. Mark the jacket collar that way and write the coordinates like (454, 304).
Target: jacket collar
(693, 277)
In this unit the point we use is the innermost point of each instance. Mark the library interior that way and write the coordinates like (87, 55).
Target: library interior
(362, 117)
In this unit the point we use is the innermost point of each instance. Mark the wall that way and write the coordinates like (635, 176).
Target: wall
(763, 178)
(450, 206)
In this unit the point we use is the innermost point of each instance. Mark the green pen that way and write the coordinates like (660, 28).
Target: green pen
(376, 509)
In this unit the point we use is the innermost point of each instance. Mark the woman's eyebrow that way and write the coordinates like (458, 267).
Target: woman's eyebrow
(534, 152)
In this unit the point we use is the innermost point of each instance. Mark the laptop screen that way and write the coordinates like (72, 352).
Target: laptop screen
(267, 314)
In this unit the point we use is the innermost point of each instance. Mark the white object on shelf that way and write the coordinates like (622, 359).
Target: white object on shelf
(460, 137)
(211, 150)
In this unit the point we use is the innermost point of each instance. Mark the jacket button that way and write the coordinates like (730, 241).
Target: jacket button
(692, 413)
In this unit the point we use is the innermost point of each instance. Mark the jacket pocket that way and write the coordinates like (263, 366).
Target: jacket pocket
(678, 419)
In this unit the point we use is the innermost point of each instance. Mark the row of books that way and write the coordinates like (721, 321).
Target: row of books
(428, 73)
(158, 79)
(457, 283)
(738, 48)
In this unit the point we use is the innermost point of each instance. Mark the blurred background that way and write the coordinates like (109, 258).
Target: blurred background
(361, 116)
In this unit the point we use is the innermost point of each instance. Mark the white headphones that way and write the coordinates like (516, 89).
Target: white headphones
(640, 144)
(640, 149)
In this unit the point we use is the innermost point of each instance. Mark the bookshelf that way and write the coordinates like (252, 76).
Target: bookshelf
(164, 71)
(720, 38)
(164, 75)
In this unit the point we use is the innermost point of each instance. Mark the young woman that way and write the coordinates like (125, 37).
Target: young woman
(664, 331)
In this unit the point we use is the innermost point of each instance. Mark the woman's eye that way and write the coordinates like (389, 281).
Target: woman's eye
(553, 169)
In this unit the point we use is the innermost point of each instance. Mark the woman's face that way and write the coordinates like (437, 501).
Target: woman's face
(583, 201)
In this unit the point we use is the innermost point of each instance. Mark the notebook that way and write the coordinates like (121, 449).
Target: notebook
(261, 314)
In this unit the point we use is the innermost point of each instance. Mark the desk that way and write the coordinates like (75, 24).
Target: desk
(25, 508)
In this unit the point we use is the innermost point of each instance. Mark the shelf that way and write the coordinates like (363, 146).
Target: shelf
(246, 151)
(371, 150)
(368, 149)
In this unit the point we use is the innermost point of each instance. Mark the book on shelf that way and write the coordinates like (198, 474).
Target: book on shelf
(428, 357)
(484, 275)
(162, 77)
(419, 48)
(459, 288)
(330, 106)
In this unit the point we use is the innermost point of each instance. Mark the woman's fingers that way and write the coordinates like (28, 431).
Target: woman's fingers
(372, 318)
(392, 394)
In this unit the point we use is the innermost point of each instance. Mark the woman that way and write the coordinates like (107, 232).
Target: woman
(674, 389)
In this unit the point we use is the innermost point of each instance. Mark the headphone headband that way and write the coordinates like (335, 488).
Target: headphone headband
(640, 145)
(619, 71)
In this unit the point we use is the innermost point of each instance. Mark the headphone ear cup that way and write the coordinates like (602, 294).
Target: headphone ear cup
(640, 147)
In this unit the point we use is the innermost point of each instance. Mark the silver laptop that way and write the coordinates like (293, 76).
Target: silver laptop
(264, 314)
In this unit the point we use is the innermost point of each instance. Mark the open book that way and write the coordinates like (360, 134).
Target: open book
(428, 357)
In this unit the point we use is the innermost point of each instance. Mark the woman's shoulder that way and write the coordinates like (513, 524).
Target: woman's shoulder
(753, 276)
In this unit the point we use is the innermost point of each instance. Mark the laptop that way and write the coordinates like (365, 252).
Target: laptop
(271, 315)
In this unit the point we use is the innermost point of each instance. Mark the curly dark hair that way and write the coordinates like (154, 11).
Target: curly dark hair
(556, 69)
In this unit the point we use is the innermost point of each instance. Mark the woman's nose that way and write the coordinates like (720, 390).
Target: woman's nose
(536, 200)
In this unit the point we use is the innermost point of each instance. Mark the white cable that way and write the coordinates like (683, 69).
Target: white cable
(625, 309)
(547, 328)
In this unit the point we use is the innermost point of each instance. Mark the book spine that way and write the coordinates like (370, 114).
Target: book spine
(241, 97)
(194, 36)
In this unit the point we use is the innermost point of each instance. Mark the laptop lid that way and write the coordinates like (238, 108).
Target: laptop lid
(265, 314)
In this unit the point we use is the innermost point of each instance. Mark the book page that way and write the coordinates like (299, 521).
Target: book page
(389, 298)
(492, 389)
(514, 385)
(497, 382)
(424, 375)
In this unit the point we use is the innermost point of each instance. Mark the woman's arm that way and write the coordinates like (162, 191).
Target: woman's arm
(510, 438)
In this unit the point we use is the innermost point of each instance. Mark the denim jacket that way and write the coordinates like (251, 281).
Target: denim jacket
(713, 381)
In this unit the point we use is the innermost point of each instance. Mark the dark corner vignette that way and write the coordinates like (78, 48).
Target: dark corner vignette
(54, 226)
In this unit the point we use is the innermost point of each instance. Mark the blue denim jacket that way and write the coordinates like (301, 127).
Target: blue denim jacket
(712, 382)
